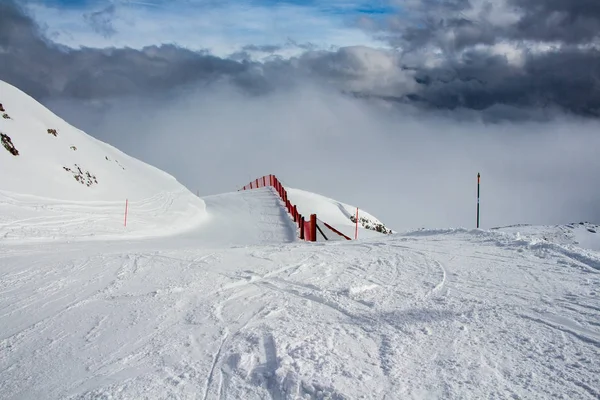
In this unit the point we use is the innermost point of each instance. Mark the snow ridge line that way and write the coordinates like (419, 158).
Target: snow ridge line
(307, 229)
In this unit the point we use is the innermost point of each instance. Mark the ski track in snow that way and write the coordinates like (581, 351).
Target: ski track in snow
(399, 317)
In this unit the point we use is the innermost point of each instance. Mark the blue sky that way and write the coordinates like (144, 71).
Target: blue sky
(333, 6)
(221, 27)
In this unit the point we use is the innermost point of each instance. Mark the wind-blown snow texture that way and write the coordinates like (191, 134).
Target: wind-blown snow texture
(233, 306)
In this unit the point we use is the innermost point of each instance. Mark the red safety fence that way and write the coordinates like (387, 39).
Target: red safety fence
(307, 229)
(336, 231)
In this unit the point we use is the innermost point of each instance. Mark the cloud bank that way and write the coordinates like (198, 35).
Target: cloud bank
(508, 55)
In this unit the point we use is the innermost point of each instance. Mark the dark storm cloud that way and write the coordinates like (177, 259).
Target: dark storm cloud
(571, 21)
(475, 22)
(468, 74)
(569, 79)
(43, 69)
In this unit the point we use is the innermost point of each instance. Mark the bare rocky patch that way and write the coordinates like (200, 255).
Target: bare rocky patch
(8, 144)
(372, 225)
(81, 176)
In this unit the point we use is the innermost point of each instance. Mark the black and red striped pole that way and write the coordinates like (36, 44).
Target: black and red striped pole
(478, 184)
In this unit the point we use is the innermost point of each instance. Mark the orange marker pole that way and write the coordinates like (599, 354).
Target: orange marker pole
(356, 231)
(126, 208)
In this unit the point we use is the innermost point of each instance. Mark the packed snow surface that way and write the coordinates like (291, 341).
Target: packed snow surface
(430, 314)
(215, 298)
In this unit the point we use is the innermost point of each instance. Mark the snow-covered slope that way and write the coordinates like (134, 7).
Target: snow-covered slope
(57, 181)
(337, 214)
(583, 234)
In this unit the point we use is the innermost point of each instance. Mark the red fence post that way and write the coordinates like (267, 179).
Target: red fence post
(264, 181)
(256, 183)
(302, 228)
(313, 227)
(295, 214)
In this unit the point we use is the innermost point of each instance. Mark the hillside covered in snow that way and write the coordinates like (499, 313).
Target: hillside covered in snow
(57, 181)
(216, 298)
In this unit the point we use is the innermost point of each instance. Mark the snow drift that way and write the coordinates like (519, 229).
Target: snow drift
(582, 234)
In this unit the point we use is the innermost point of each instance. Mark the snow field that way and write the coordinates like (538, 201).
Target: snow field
(445, 315)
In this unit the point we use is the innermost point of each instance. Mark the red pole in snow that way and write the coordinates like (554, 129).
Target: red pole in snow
(126, 207)
(302, 228)
(264, 181)
(356, 231)
(295, 214)
(313, 227)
